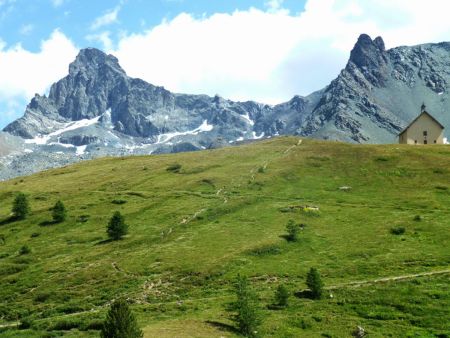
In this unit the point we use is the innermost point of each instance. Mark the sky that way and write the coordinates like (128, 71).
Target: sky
(263, 50)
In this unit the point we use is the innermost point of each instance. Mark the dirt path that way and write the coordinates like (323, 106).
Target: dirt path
(2, 326)
(331, 287)
(387, 279)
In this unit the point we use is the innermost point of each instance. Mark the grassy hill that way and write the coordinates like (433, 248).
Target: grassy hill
(224, 212)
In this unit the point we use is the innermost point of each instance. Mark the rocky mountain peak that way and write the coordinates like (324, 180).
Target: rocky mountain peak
(367, 52)
(92, 59)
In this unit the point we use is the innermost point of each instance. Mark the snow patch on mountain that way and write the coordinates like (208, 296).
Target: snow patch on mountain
(257, 137)
(204, 127)
(247, 118)
(44, 139)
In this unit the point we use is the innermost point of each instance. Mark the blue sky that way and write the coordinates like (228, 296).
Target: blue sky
(28, 22)
(265, 50)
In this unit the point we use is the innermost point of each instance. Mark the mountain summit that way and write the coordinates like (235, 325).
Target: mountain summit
(98, 110)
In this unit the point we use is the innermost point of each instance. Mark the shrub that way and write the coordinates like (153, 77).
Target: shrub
(59, 212)
(24, 250)
(25, 323)
(292, 230)
(83, 218)
(174, 168)
(118, 201)
(117, 228)
(265, 250)
(398, 230)
(247, 316)
(314, 283)
(281, 296)
(41, 297)
(65, 324)
(120, 322)
(21, 207)
(417, 218)
(95, 324)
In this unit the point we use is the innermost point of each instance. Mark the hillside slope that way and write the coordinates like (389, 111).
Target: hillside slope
(223, 213)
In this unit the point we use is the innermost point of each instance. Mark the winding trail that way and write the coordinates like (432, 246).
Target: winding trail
(353, 284)
(387, 279)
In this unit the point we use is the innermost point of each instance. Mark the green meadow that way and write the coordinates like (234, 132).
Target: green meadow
(376, 225)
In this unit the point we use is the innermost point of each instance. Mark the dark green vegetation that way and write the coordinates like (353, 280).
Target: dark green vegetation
(193, 230)
(281, 296)
(245, 309)
(117, 228)
(292, 230)
(314, 283)
(120, 322)
(20, 208)
(59, 212)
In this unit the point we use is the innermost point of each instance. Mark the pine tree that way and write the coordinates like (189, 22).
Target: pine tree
(59, 212)
(247, 316)
(314, 283)
(116, 227)
(292, 230)
(20, 208)
(281, 296)
(120, 322)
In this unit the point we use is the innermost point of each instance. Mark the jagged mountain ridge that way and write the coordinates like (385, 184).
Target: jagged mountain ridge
(98, 110)
(380, 91)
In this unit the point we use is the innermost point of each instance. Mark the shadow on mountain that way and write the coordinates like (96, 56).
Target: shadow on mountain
(9, 220)
(306, 294)
(222, 326)
(47, 223)
(105, 241)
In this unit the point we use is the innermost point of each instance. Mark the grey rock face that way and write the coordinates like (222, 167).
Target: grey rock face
(380, 91)
(97, 110)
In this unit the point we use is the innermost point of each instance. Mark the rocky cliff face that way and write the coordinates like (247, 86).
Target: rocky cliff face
(380, 91)
(97, 110)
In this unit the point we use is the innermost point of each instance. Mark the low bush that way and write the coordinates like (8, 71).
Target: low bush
(24, 250)
(398, 230)
(265, 250)
(174, 168)
(25, 323)
(118, 201)
(281, 296)
(83, 218)
(66, 324)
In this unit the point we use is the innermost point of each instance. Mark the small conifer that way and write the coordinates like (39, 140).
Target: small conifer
(117, 228)
(281, 296)
(247, 315)
(314, 283)
(21, 207)
(120, 322)
(59, 212)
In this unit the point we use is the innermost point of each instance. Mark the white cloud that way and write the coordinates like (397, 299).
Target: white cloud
(272, 55)
(265, 55)
(106, 19)
(102, 37)
(25, 73)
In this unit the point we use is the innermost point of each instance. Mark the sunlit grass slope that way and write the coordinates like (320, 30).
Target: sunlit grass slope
(224, 212)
